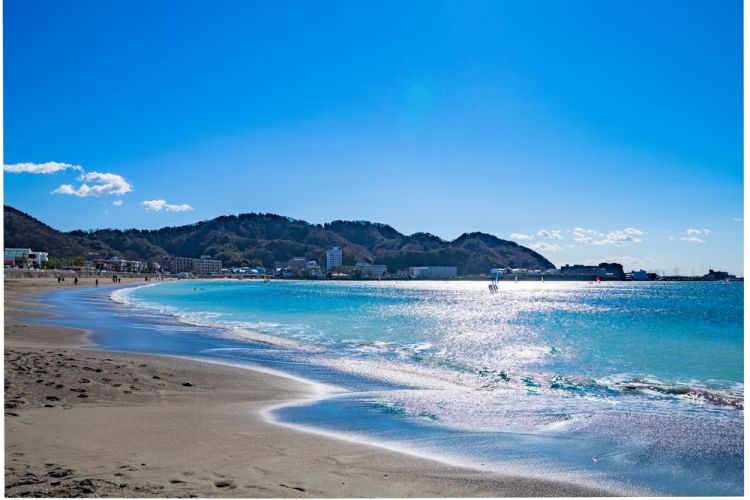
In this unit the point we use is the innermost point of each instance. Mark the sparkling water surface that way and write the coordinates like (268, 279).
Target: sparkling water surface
(636, 387)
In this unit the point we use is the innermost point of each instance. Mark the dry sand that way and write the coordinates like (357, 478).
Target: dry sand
(80, 422)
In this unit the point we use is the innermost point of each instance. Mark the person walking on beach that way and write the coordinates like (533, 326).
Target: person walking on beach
(97, 282)
(75, 280)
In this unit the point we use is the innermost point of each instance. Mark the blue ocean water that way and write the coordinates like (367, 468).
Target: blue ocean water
(636, 387)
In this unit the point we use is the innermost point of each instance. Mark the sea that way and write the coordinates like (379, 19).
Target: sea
(634, 387)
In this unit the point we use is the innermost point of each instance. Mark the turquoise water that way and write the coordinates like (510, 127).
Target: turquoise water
(673, 333)
(634, 386)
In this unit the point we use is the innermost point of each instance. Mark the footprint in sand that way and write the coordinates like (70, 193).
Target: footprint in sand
(224, 483)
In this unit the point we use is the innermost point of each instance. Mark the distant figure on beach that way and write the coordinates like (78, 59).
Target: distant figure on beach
(97, 282)
(75, 280)
(58, 279)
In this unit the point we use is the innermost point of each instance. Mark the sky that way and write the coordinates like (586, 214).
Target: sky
(587, 130)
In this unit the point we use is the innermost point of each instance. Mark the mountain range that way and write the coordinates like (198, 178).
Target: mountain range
(262, 239)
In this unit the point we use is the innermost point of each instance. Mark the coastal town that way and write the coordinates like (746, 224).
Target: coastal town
(330, 267)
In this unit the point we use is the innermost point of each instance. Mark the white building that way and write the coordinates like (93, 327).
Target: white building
(333, 258)
(432, 272)
(372, 270)
(39, 258)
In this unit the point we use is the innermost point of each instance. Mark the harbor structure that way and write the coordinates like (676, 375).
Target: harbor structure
(433, 272)
(718, 275)
(604, 271)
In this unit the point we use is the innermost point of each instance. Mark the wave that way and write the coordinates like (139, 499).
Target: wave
(426, 367)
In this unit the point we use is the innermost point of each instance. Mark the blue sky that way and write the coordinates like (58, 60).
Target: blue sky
(587, 130)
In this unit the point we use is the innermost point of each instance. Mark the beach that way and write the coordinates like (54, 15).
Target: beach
(83, 422)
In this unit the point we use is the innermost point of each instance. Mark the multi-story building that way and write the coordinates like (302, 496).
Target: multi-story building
(181, 265)
(203, 266)
(433, 272)
(206, 265)
(372, 270)
(296, 264)
(333, 258)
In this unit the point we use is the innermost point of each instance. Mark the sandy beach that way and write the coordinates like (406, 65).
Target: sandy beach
(80, 422)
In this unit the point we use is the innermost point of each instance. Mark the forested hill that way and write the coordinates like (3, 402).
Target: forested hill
(262, 239)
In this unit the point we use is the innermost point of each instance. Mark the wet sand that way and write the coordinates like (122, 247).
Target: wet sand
(80, 422)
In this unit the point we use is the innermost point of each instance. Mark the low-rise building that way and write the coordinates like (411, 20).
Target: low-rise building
(372, 270)
(639, 275)
(433, 272)
(24, 257)
(718, 275)
(116, 264)
(604, 270)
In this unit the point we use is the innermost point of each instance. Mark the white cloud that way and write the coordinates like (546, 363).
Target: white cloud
(102, 184)
(521, 236)
(706, 232)
(694, 232)
(49, 167)
(693, 239)
(545, 247)
(553, 234)
(117, 203)
(159, 205)
(585, 235)
(618, 238)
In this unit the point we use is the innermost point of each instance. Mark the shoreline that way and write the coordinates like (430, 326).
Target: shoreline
(93, 445)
